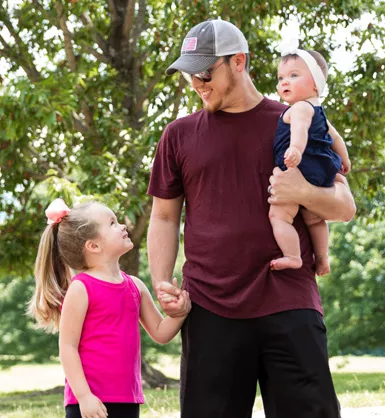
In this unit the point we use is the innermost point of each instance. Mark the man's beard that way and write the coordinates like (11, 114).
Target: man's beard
(214, 107)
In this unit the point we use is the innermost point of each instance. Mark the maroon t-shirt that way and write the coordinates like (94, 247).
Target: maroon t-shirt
(221, 162)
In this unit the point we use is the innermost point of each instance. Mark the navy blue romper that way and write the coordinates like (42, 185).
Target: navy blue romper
(319, 164)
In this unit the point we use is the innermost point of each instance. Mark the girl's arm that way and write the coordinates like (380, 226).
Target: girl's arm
(339, 147)
(74, 310)
(299, 116)
(160, 329)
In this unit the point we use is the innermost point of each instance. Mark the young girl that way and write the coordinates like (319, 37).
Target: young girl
(97, 311)
(305, 139)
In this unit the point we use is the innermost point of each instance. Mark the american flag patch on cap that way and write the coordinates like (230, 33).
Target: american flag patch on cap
(189, 44)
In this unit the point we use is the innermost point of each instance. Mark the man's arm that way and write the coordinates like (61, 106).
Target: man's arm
(163, 245)
(334, 203)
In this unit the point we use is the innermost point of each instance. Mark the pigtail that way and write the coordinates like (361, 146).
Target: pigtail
(52, 278)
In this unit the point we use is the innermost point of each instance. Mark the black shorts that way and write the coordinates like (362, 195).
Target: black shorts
(115, 410)
(286, 353)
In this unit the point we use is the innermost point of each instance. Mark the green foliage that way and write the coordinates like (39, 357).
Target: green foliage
(19, 340)
(353, 293)
(85, 99)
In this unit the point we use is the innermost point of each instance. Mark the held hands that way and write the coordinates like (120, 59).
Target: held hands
(174, 301)
(292, 157)
(92, 407)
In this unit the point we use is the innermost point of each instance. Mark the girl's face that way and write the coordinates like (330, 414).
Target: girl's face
(295, 82)
(112, 237)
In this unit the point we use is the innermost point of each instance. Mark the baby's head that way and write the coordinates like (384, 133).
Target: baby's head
(301, 75)
(320, 60)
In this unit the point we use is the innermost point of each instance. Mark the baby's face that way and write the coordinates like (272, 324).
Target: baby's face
(295, 81)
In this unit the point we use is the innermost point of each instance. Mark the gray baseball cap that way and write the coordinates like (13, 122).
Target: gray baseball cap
(205, 43)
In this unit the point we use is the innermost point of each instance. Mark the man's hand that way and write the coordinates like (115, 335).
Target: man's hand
(174, 302)
(334, 203)
(287, 186)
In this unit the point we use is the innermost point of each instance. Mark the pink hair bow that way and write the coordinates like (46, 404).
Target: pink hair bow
(56, 211)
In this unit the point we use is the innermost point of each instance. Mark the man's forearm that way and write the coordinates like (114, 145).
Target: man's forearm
(330, 203)
(162, 247)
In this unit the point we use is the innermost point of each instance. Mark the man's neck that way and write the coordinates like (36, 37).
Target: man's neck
(245, 98)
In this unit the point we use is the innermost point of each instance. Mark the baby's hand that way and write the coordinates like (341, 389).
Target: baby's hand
(346, 166)
(92, 407)
(292, 157)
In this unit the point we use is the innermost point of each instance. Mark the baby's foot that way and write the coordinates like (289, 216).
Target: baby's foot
(322, 265)
(286, 263)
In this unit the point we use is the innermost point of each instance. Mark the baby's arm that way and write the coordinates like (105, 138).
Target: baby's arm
(74, 310)
(160, 329)
(339, 147)
(299, 116)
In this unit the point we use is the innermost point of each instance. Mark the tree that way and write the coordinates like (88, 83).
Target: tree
(84, 100)
(353, 294)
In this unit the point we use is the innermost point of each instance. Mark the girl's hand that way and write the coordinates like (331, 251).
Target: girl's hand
(174, 302)
(292, 157)
(92, 407)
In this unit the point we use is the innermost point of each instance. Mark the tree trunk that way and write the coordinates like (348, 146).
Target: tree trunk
(153, 378)
(129, 262)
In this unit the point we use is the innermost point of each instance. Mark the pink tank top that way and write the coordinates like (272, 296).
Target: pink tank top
(109, 346)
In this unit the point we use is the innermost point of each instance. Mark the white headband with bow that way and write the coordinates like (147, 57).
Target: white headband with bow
(289, 46)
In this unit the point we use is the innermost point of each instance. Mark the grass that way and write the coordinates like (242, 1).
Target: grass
(354, 389)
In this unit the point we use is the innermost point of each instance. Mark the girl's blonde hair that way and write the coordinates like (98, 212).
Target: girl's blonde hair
(61, 248)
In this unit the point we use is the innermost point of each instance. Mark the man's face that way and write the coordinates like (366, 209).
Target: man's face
(216, 93)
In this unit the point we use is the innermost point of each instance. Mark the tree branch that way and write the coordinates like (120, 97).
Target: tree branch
(96, 36)
(139, 22)
(67, 37)
(83, 45)
(141, 224)
(178, 95)
(44, 163)
(79, 124)
(128, 19)
(113, 11)
(20, 54)
(369, 169)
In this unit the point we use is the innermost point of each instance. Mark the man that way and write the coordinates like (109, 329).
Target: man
(247, 323)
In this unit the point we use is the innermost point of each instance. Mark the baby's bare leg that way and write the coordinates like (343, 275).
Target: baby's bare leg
(281, 218)
(319, 235)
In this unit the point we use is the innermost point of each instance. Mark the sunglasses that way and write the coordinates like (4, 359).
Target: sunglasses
(205, 76)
